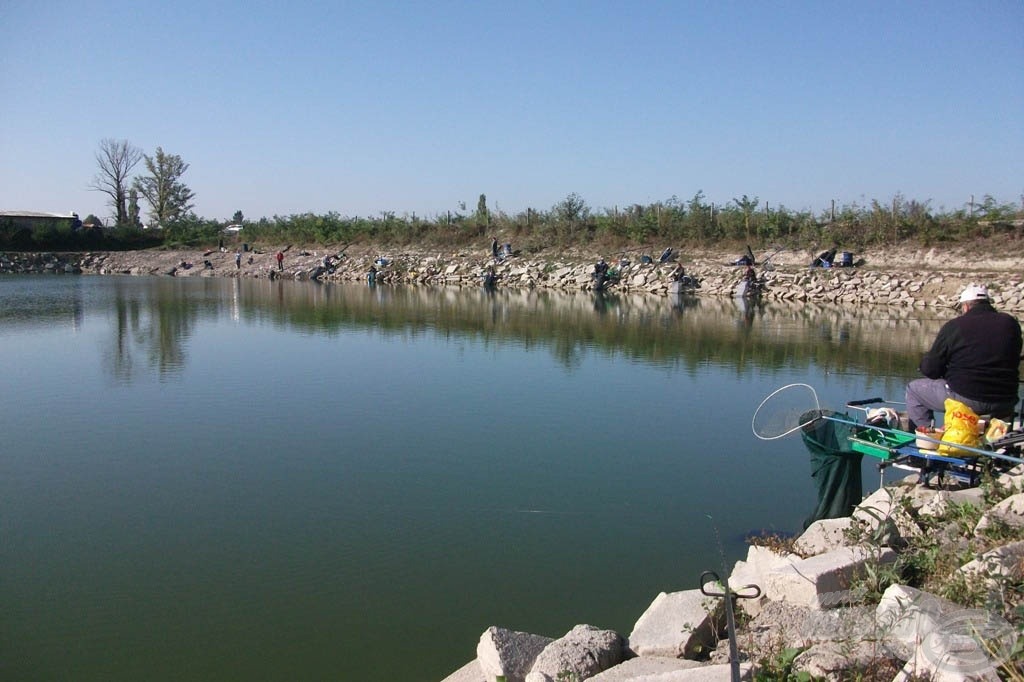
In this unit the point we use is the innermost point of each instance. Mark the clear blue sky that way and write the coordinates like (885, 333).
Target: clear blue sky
(413, 107)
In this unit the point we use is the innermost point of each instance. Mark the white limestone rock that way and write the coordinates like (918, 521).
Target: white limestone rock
(822, 581)
(470, 672)
(1009, 512)
(823, 536)
(941, 500)
(677, 624)
(759, 561)
(509, 653)
(583, 652)
(943, 657)
(643, 668)
(1006, 562)
(1014, 478)
(820, 660)
(883, 517)
(906, 615)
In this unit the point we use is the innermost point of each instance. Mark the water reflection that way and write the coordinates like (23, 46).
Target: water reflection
(154, 318)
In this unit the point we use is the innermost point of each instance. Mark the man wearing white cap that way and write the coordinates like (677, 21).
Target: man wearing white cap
(975, 359)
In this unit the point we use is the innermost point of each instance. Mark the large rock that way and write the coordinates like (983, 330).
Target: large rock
(508, 653)
(582, 653)
(823, 659)
(882, 517)
(822, 581)
(907, 617)
(942, 500)
(1014, 478)
(1009, 512)
(470, 672)
(676, 624)
(644, 668)
(759, 561)
(944, 657)
(1001, 564)
(705, 673)
(823, 536)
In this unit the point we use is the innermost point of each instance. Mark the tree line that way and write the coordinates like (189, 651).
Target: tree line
(571, 221)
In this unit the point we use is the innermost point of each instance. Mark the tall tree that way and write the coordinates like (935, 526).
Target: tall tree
(116, 159)
(133, 208)
(168, 197)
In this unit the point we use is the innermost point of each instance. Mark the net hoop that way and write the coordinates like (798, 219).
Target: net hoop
(797, 422)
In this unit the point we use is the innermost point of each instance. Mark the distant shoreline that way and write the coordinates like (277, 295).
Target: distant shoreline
(904, 277)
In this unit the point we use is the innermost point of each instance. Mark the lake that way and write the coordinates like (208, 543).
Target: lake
(214, 479)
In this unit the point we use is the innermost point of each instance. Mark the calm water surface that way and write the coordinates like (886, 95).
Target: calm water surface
(216, 479)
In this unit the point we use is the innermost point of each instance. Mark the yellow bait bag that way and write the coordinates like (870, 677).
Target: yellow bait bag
(961, 429)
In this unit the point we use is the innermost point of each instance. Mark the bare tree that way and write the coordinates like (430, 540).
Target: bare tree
(116, 159)
(168, 197)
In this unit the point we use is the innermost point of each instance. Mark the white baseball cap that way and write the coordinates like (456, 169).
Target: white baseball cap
(974, 292)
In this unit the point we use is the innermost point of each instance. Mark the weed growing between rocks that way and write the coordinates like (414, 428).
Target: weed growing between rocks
(779, 667)
(776, 542)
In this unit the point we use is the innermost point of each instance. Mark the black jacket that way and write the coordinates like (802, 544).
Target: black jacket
(978, 354)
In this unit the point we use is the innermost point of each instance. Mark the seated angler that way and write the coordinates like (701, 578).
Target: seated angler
(975, 359)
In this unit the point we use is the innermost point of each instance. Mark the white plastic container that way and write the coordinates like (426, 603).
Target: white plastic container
(925, 443)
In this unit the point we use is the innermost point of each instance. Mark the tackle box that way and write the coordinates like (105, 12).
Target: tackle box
(879, 444)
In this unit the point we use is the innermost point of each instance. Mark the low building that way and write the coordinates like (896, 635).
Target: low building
(19, 220)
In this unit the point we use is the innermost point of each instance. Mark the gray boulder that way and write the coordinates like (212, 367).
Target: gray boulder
(583, 652)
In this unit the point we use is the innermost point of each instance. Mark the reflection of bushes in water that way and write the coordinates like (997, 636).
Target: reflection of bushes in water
(643, 328)
(768, 338)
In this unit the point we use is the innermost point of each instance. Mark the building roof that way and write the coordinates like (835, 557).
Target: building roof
(35, 214)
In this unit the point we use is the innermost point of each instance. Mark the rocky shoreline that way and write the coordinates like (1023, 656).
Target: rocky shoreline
(900, 277)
